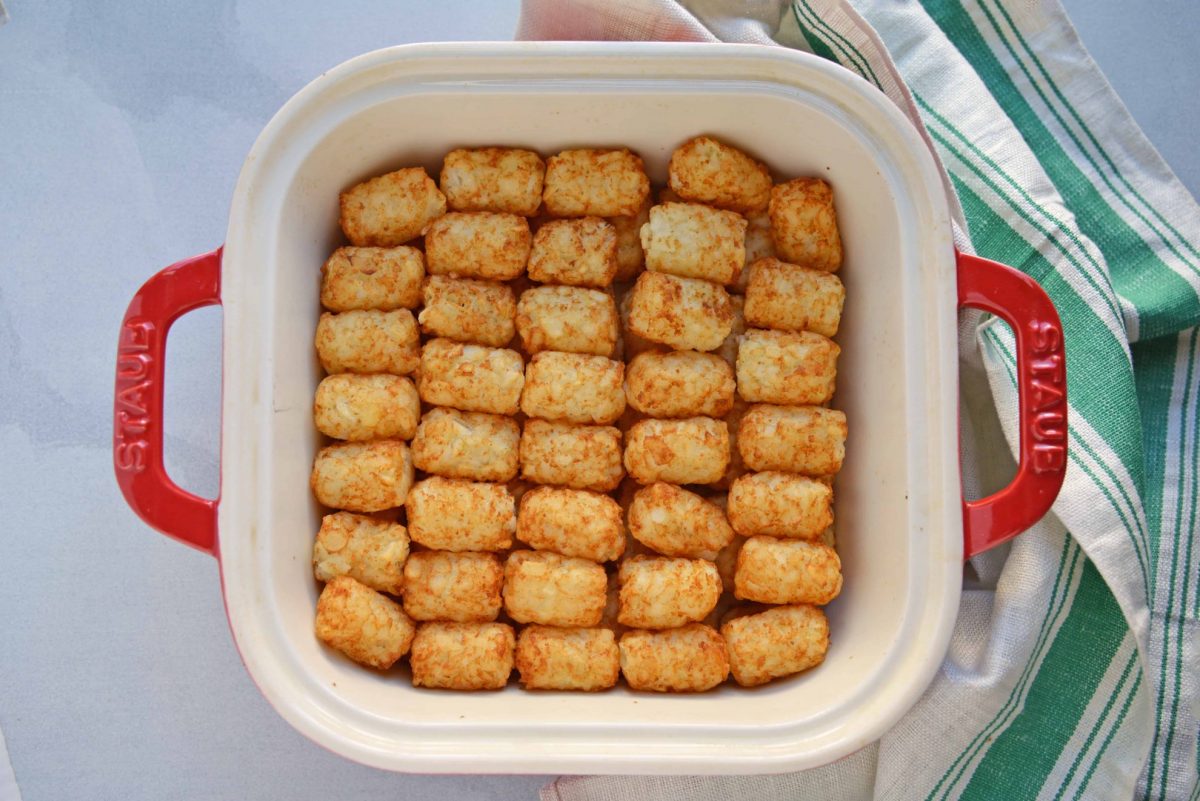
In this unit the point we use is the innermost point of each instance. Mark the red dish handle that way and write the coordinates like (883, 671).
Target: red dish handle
(1042, 389)
(138, 403)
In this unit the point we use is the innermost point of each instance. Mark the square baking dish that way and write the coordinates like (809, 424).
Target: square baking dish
(900, 518)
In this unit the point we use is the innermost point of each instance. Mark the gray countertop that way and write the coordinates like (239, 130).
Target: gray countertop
(1151, 59)
(122, 130)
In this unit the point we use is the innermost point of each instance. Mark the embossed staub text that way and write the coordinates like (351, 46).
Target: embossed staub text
(134, 381)
(1047, 397)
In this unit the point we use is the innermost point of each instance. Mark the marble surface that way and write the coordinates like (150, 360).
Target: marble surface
(122, 129)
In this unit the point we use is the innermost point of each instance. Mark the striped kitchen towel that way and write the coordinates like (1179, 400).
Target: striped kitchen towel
(1074, 665)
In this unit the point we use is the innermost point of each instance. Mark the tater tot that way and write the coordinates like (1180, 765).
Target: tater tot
(368, 627)
(578, 252)
(776, 642)
(662, 593)
(369, 342)
(631, 344)
(804, 224)
(363, 476)
(787, 297)
(365, 549)
(684, 313)
(809, 440)
(552, 589)
(625, 495)
(576, 456)
(571, 522)
(707, 171)
(553, 658)
(468, 310)
(680, 384)
(574, 388)
(775, 571)
(472, 445)
(456, 515)
(473, 378)
(478, 244)
(391, 209)
(501, 179)
(796, 368)
(567, 318)
(604, 183)
(759, 245)
(462, 656)
(780, 505)
(630, 256)
(676, 522)
(694, 450)
(462, 587)
(695, 241)
(729, 348)
(372, 278)
(691, 658)
(362, 407)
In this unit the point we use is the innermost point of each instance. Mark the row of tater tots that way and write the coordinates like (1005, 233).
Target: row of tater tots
(795, 367)
(719, 390)
(669, 586)
(574, 393)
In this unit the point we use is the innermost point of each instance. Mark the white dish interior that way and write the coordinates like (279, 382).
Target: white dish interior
(897, 504)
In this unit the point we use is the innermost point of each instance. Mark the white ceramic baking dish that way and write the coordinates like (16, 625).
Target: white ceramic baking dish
(901, 522)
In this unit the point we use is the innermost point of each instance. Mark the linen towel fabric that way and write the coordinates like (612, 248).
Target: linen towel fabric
(1075, 660)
